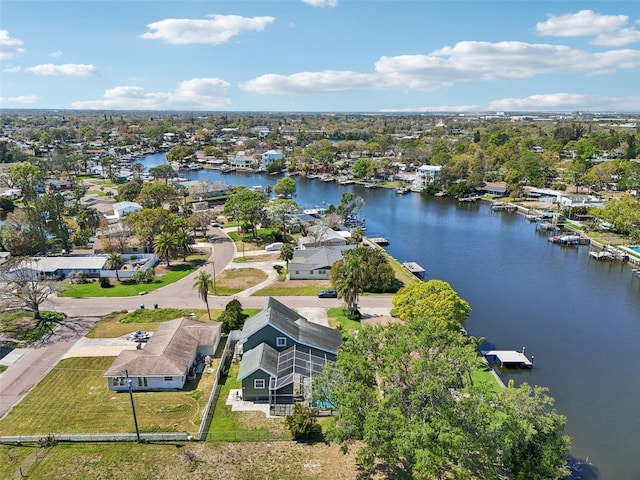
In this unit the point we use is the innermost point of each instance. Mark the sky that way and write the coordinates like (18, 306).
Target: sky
(321, 55)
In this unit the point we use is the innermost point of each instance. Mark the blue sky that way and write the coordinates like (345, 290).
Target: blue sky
(321, 55)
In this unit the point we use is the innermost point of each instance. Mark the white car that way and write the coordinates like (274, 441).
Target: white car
(274, 247)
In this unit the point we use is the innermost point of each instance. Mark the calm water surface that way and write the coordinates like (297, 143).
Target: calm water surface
(578, 317)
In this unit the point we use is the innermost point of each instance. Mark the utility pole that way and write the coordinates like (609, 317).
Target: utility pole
(133, 407)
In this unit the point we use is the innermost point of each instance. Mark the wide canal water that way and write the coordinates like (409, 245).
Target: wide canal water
(579, 318)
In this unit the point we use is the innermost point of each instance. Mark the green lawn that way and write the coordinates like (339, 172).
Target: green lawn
(241, 426)
(11, 457)
(74, 398)
(337, 319)
(121, 323)
(19, 325)
(484, 376)
(128, 288)
(289, 289)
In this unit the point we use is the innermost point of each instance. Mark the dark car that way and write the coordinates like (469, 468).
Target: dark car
(327, 294)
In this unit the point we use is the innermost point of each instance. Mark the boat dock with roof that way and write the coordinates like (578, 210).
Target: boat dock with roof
(508, 358)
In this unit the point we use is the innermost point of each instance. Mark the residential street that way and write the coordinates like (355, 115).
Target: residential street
(29, 366)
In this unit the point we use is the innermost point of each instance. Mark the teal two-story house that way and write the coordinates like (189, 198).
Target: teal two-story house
(281, 353)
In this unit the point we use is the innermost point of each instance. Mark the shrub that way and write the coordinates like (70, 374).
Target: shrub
(104, 282)
(302, 423)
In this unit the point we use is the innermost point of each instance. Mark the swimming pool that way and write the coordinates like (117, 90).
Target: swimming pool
(635, 248)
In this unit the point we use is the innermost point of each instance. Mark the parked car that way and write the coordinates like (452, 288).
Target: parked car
(274, 247)
(327, 294)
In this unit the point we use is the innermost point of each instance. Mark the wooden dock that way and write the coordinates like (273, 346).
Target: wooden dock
(508, 358)
(414, 268)
(503, 207)
(379, 240)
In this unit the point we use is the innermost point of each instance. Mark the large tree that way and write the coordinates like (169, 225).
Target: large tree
(285, 187)
(433, 301)
(22, 288)
(247, 207)
(406, 392)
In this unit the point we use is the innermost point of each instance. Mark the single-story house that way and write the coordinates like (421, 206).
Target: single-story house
(122, 209)
(282, 351)
(168, 359)
(321, 236)
(313, 263)
(498, 189)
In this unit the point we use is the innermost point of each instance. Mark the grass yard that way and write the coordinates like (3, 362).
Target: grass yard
(484, 376)
(11, 456)
(294, 288)
(121, 323)
(181, 461)
(337, 319)
(234, 280)
(19, 326)
(74, 398)
(241, 426)
(267, 257)
(129, 288)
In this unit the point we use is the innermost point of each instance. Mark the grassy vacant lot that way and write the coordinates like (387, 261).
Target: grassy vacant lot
(241, 426)
(74, 398)
(218, 460)
(266, 257)
(294, 287)
(234, 280)
(128, 288)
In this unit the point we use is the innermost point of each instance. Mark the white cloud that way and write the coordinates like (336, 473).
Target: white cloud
(68, 69)
(473, 61)
(609, 30)
(566, 101)
(56, 54)
(216, 30)
(22, 99)
(9, 47)
(329, 81)
(193, 94)
(321, 3)
(11, 68)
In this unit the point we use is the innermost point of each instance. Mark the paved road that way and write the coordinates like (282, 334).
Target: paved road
(27, 370)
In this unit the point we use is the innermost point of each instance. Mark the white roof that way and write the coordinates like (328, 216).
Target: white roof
(125, 205)
(51, 264)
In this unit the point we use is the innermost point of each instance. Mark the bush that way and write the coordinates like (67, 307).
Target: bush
(302, 423)
(104, 282)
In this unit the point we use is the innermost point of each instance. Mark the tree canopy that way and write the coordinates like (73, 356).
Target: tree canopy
(406, 391)
(433, 301)
(246, 206)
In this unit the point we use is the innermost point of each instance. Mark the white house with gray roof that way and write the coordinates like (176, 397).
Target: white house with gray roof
(171, 356)
(314, 263)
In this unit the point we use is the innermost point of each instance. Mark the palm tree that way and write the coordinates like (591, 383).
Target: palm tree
(183, 242)
(202, 284)
(115, 262)
(166, 246)
(286, 253)
(349, 279)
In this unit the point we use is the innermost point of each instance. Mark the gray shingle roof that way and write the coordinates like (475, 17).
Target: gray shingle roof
(290, 323)
(262, 357)
(314, 258)
(168, 352)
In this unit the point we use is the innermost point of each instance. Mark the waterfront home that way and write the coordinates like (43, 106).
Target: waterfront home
(282, 352)
(271, 156)
(314, 263)
(322, 236)
(172, 355)
(426, 174)
(497, 189)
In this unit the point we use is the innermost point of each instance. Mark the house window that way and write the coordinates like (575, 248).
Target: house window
(322, 272)
(142, 381)
(259, 384)
(297, 272)
(168, 379)
(281, 341)
(119, 381)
